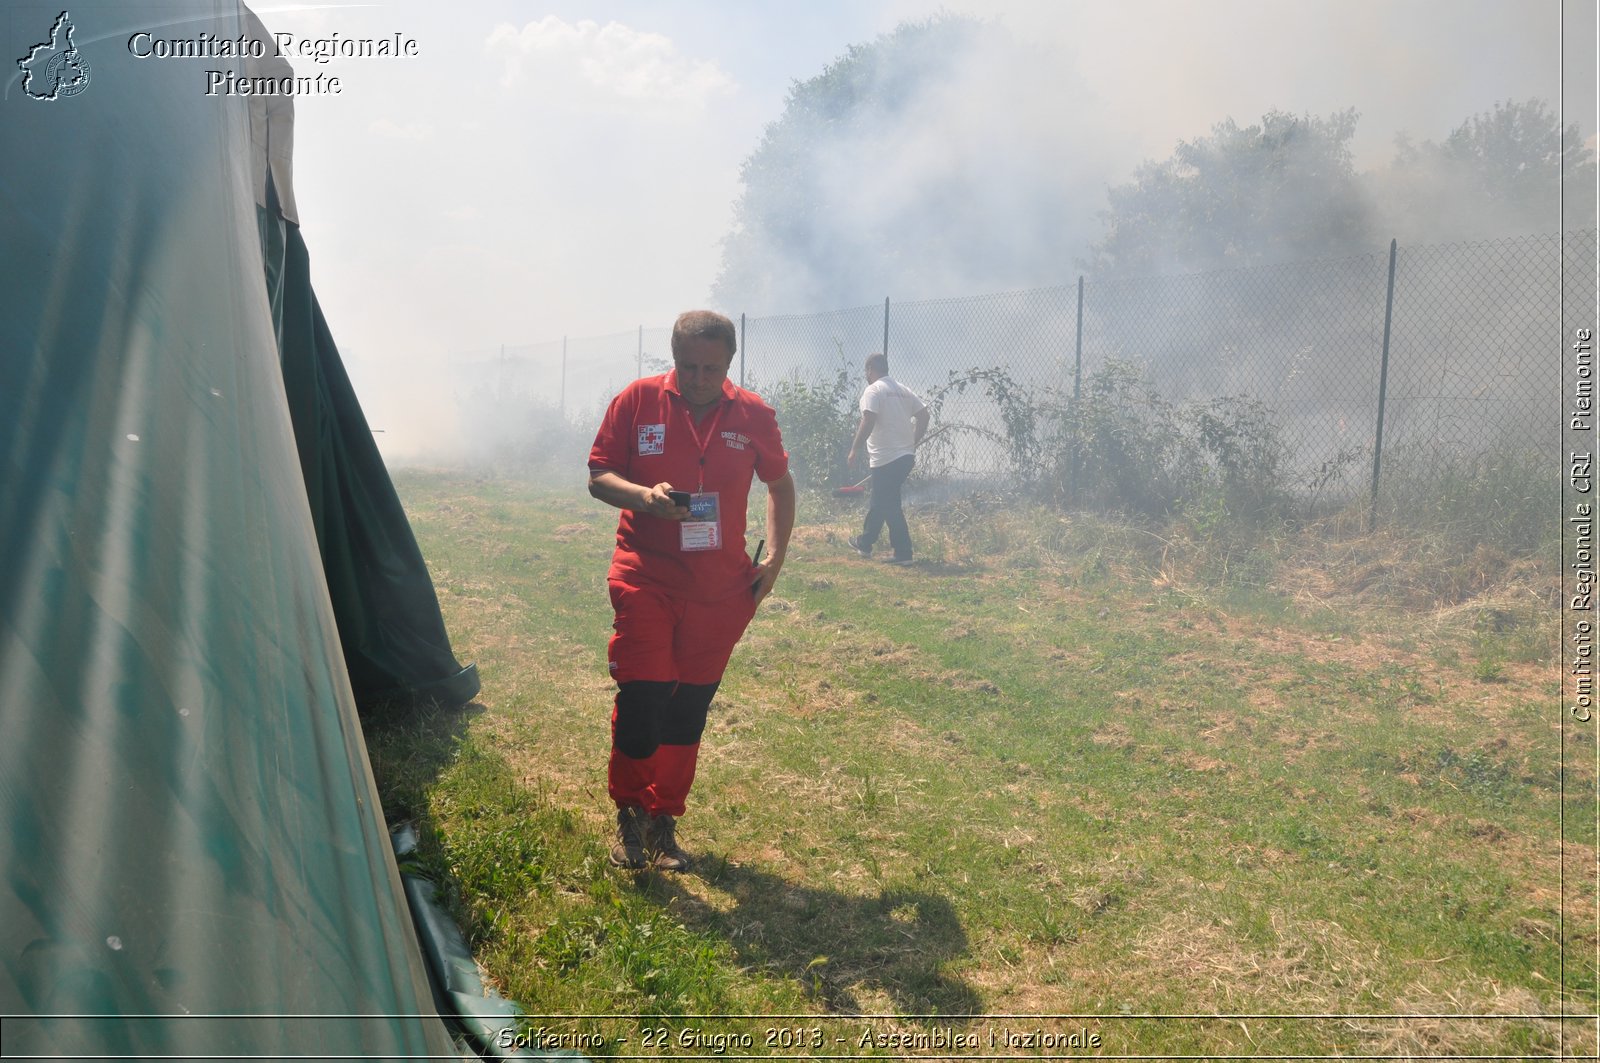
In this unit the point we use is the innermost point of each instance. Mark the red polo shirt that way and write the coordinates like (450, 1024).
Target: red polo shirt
(648, 437)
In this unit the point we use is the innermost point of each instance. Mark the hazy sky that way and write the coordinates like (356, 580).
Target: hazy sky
(568, 168)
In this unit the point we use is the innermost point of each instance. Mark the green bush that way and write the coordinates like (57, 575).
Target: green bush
(1240, 468)
(818, 418)
(1020, 415)
(1119, 447)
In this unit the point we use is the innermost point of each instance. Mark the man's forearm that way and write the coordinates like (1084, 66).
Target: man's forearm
(780, 517)
(863, 430)
(612, 489)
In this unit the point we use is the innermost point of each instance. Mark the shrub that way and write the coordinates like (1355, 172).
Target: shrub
(1119, 447)
(1241, 463)
(1019, 415)
(818, 419)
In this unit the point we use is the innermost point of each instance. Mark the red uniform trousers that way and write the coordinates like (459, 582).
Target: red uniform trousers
(667, 656)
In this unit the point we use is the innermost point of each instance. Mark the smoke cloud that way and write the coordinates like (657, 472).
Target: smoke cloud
(574, 173)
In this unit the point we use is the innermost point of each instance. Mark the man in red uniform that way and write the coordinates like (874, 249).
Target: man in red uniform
(681, 584)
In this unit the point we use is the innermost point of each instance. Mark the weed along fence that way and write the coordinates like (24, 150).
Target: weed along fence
(1425, 376)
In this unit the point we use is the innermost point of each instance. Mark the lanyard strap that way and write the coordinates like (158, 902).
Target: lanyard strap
(711, 433)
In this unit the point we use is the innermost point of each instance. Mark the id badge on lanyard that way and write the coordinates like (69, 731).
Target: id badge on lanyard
(702, 529)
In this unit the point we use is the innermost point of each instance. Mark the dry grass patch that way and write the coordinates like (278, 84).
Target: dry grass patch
(1307, 965)
(1395, 569)
(1223, 728)
(1416, 681)
(568, 532)
(1436, 1032)
(1114, 735)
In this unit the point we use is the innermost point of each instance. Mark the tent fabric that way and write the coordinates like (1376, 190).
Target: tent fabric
(193, 861)
(271, 126)
(394, 640)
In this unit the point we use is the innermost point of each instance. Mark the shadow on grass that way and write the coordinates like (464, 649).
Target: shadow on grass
(409, 748)
(837, 946)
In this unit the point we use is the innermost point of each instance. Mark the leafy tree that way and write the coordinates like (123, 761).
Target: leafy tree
(932, 161)
(1499, 173)
(1279, 190)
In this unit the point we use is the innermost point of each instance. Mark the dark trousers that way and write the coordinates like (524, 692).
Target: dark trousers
(885, 507)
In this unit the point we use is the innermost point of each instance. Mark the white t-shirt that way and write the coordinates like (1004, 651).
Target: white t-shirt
(894, 432)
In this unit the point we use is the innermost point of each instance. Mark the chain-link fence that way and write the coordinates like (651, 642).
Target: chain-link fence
(1377, 371)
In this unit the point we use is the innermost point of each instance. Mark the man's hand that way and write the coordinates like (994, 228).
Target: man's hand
(613, 490)
(766, 576)
(658, 503)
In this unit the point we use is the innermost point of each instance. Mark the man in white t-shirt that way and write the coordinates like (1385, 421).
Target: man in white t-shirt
(893, 422)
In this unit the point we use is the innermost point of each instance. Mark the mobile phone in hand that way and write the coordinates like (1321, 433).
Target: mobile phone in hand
(679, 498)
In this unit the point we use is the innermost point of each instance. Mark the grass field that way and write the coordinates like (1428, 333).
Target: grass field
(1039, 782)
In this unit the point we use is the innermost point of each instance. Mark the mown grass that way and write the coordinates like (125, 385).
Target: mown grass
(1047, 772)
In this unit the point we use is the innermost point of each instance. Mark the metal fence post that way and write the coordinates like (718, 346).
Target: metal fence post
(640, 371)
(563, 378)
(886, 326)
(1383, 391)
(741, 350)
(1077, 391)
(1077, 358)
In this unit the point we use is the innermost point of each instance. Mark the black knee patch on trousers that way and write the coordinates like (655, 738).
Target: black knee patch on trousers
(685, 718)
(641, 706)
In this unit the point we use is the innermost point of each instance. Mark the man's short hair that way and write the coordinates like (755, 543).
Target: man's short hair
(704, 324)
(878, 362)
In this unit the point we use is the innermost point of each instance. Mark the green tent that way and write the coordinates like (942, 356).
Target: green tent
(205, 569)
